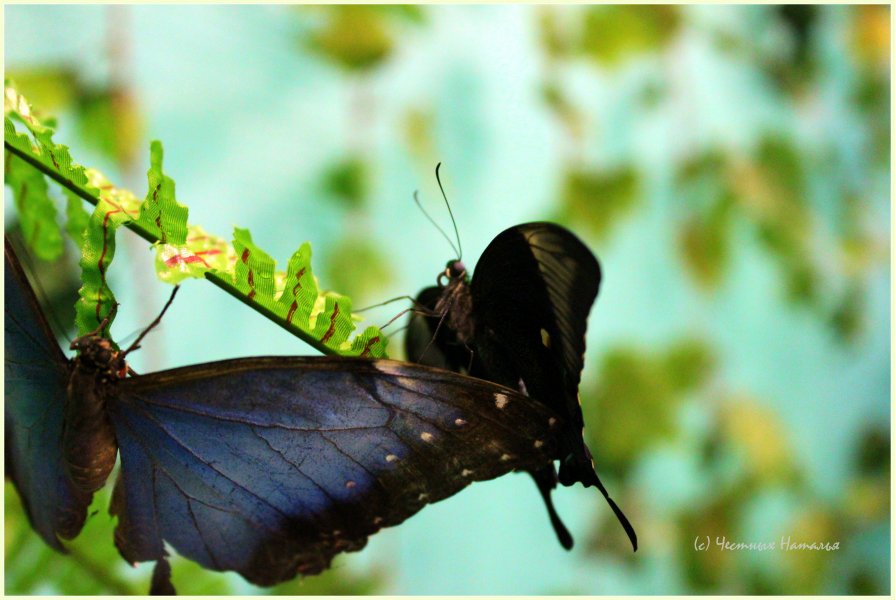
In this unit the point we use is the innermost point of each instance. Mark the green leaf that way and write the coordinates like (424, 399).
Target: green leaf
(202, 253)
(37, 213)
(109, 121)
(96, 301)
(357, 38)
(76, 218)
(299, 293)
(243, 270)
(615, 33)
(348, 181)
(160, 213)
(598, 198)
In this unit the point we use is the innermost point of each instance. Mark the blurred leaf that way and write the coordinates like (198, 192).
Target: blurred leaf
(337, 581)
(555, 38)
(348, 181)
(704, 238)
(758, 433)
(36, 210)
(874, 452)
(91, 568)
(418, 131)
(597, 198)
(771, 189)
(706, 571)
(847, 316)
(51, 87)
(614, 33)
(636, 399)
(806, 569)
(109, 121)
(868, 499)
(357, 265)
(558, 102)
(355, 37)
(871, 35)
(688, 363)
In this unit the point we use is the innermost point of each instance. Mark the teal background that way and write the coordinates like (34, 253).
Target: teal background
(256, 117)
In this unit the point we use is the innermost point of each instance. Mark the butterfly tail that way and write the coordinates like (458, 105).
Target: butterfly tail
(579, 467)
(546, 481)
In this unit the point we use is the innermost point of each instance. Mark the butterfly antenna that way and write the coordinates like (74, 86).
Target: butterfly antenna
(450, 212)
(416, 198)
(152, 325)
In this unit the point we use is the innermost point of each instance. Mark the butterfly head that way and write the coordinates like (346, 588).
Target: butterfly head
(99, 354)
(454, 271)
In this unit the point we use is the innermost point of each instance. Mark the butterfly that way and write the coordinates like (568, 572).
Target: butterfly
(265, 466)
(520, 322)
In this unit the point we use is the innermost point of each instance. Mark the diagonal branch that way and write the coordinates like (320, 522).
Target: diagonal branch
(217, 280)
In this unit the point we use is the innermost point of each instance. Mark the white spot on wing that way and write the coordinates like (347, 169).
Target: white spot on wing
(459, 422)
(466, 473)
(426, 436)
(423, 497)
(538, 443)
(391, 458)
(500, 400)
(545, 338)
(505, 457)
(350, 484)
(551, 421)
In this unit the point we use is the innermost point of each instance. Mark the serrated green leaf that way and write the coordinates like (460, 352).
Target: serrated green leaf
(299, 288)
(96, 301)
(160, 213)
(333, 324)
(254, 272)
(243, 270)
(201, 253)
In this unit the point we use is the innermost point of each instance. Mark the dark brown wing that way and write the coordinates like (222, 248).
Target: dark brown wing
(271, 466)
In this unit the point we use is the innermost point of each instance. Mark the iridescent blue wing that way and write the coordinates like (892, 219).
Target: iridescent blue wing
(35, 376)
(271, 466)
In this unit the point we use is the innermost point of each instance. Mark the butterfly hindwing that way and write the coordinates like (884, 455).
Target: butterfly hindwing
(35, 376)
(271, 466)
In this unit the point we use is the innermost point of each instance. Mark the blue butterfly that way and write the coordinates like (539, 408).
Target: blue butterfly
(265, 466)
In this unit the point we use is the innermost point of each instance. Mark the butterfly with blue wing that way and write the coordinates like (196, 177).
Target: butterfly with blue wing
(265, 466)
(520, 322)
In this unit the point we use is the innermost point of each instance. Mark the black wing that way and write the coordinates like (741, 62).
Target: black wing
(532, 292)
(35, 376)
(271, 466)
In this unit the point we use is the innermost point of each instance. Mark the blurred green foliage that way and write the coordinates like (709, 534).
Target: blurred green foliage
(359, 38)
(347, 181)
(598, 198)
(633, 404)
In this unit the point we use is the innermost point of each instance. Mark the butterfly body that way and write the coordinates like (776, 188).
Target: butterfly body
(88, 439)
(267, 466)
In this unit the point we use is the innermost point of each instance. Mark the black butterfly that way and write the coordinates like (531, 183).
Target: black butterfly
(265, 466)
(520, 322)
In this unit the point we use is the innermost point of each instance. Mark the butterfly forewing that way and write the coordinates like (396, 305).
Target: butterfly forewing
(271, 466)
(532, 292)
(35, 377)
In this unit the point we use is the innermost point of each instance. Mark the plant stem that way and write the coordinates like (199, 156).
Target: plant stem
(214, 278)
